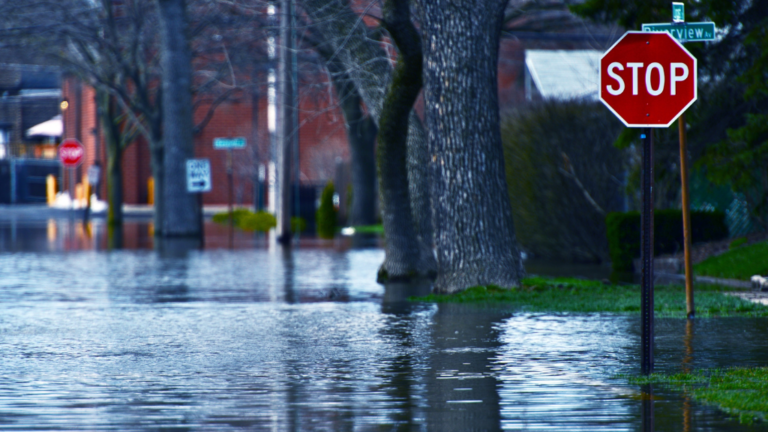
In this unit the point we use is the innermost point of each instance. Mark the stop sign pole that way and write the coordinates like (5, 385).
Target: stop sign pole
(647, 80)
(71, 153)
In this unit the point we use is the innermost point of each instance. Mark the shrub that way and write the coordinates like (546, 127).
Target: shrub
(623, 231)
(298, 224)
(259, 221)
(564, 175)
(326, 214)
(247, 220)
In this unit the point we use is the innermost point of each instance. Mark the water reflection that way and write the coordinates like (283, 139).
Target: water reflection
(269, 338)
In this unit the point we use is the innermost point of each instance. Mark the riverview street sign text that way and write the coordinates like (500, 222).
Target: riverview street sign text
(647, 79)
(198, 175)
(684, 32)
(229, 143)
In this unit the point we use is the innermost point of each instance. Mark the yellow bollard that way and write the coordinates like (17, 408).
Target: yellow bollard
(151, 191)
(50, 189)
(79, 192)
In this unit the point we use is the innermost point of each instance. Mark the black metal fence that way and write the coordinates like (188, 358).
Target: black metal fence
(23, 181)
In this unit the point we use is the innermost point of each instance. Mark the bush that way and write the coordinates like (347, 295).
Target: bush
(259, 221)
(298, 224)
(623, 231)
(326, 214)
(247, 220)
(564, 175)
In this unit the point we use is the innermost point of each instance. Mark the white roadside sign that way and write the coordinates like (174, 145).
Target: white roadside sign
(198, 175)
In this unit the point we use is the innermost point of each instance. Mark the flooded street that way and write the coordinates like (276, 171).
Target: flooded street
(258, 338)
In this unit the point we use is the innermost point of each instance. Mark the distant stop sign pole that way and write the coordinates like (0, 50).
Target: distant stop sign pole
(71, 153)
(648, 80)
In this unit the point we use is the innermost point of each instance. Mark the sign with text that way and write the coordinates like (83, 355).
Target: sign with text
(647, 79)
(198, 175)
(678, 12)
(229, 143)
(684, 32)
(71, 153)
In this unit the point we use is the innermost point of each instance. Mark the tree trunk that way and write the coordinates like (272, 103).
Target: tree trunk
(180, 214)
(402, 253)
(361, 134)
(368, 65)
(114, 183)
(472, 214)
(113, 141)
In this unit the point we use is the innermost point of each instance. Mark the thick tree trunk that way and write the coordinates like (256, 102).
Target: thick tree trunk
(474, 233)
(181, 217)
(361, 134)
(365, 61)
(402, 253)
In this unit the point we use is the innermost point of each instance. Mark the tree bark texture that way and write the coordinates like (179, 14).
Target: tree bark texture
(366, 62)
(474, 231)
(181, 216)
(402, 253)
(285, 125)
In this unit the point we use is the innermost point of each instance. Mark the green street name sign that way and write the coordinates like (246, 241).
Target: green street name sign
(687, 32)
(229, 143)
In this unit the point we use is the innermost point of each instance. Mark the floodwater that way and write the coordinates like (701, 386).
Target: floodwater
(254, 337)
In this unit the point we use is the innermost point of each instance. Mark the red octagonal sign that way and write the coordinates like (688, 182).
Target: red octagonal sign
(647, 79)
(71, 153)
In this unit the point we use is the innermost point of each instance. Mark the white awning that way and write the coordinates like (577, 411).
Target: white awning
(564, 74)
(51, 128)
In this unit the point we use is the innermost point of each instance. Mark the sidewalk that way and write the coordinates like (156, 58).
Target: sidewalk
(748, 294)
(41, 212)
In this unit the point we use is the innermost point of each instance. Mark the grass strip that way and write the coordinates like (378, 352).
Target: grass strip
(742, 392)
(740, 263)
(538, 294)
(369, 229)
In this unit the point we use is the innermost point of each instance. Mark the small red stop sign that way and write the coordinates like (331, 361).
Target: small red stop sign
(647, 79)
(71, 153)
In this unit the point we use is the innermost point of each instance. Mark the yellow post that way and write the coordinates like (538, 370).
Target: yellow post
(151, 191)
(79, 192)
(50, 189)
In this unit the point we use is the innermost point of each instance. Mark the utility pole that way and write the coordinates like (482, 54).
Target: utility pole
(286, 114)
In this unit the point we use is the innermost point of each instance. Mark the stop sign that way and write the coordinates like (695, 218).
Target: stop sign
(647, 79)
(71, 153)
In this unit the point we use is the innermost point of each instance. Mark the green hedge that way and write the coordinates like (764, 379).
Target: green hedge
(623, 231)
(326, 213)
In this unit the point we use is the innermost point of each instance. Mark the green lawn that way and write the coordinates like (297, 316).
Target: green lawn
(739, 391)
(740, 263)
(539, 294)
(369, 229)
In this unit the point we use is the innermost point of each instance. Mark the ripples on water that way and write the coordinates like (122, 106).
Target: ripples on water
(260, 339)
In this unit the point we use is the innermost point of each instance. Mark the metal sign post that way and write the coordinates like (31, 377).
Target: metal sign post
(646, 248)
(685, 32)
(228, 144)
(199, 181)
(667, 90)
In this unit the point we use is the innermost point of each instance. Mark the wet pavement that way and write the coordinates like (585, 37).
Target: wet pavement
(244, 335)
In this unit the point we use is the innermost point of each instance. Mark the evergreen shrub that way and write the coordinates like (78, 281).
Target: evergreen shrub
(326, 213)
